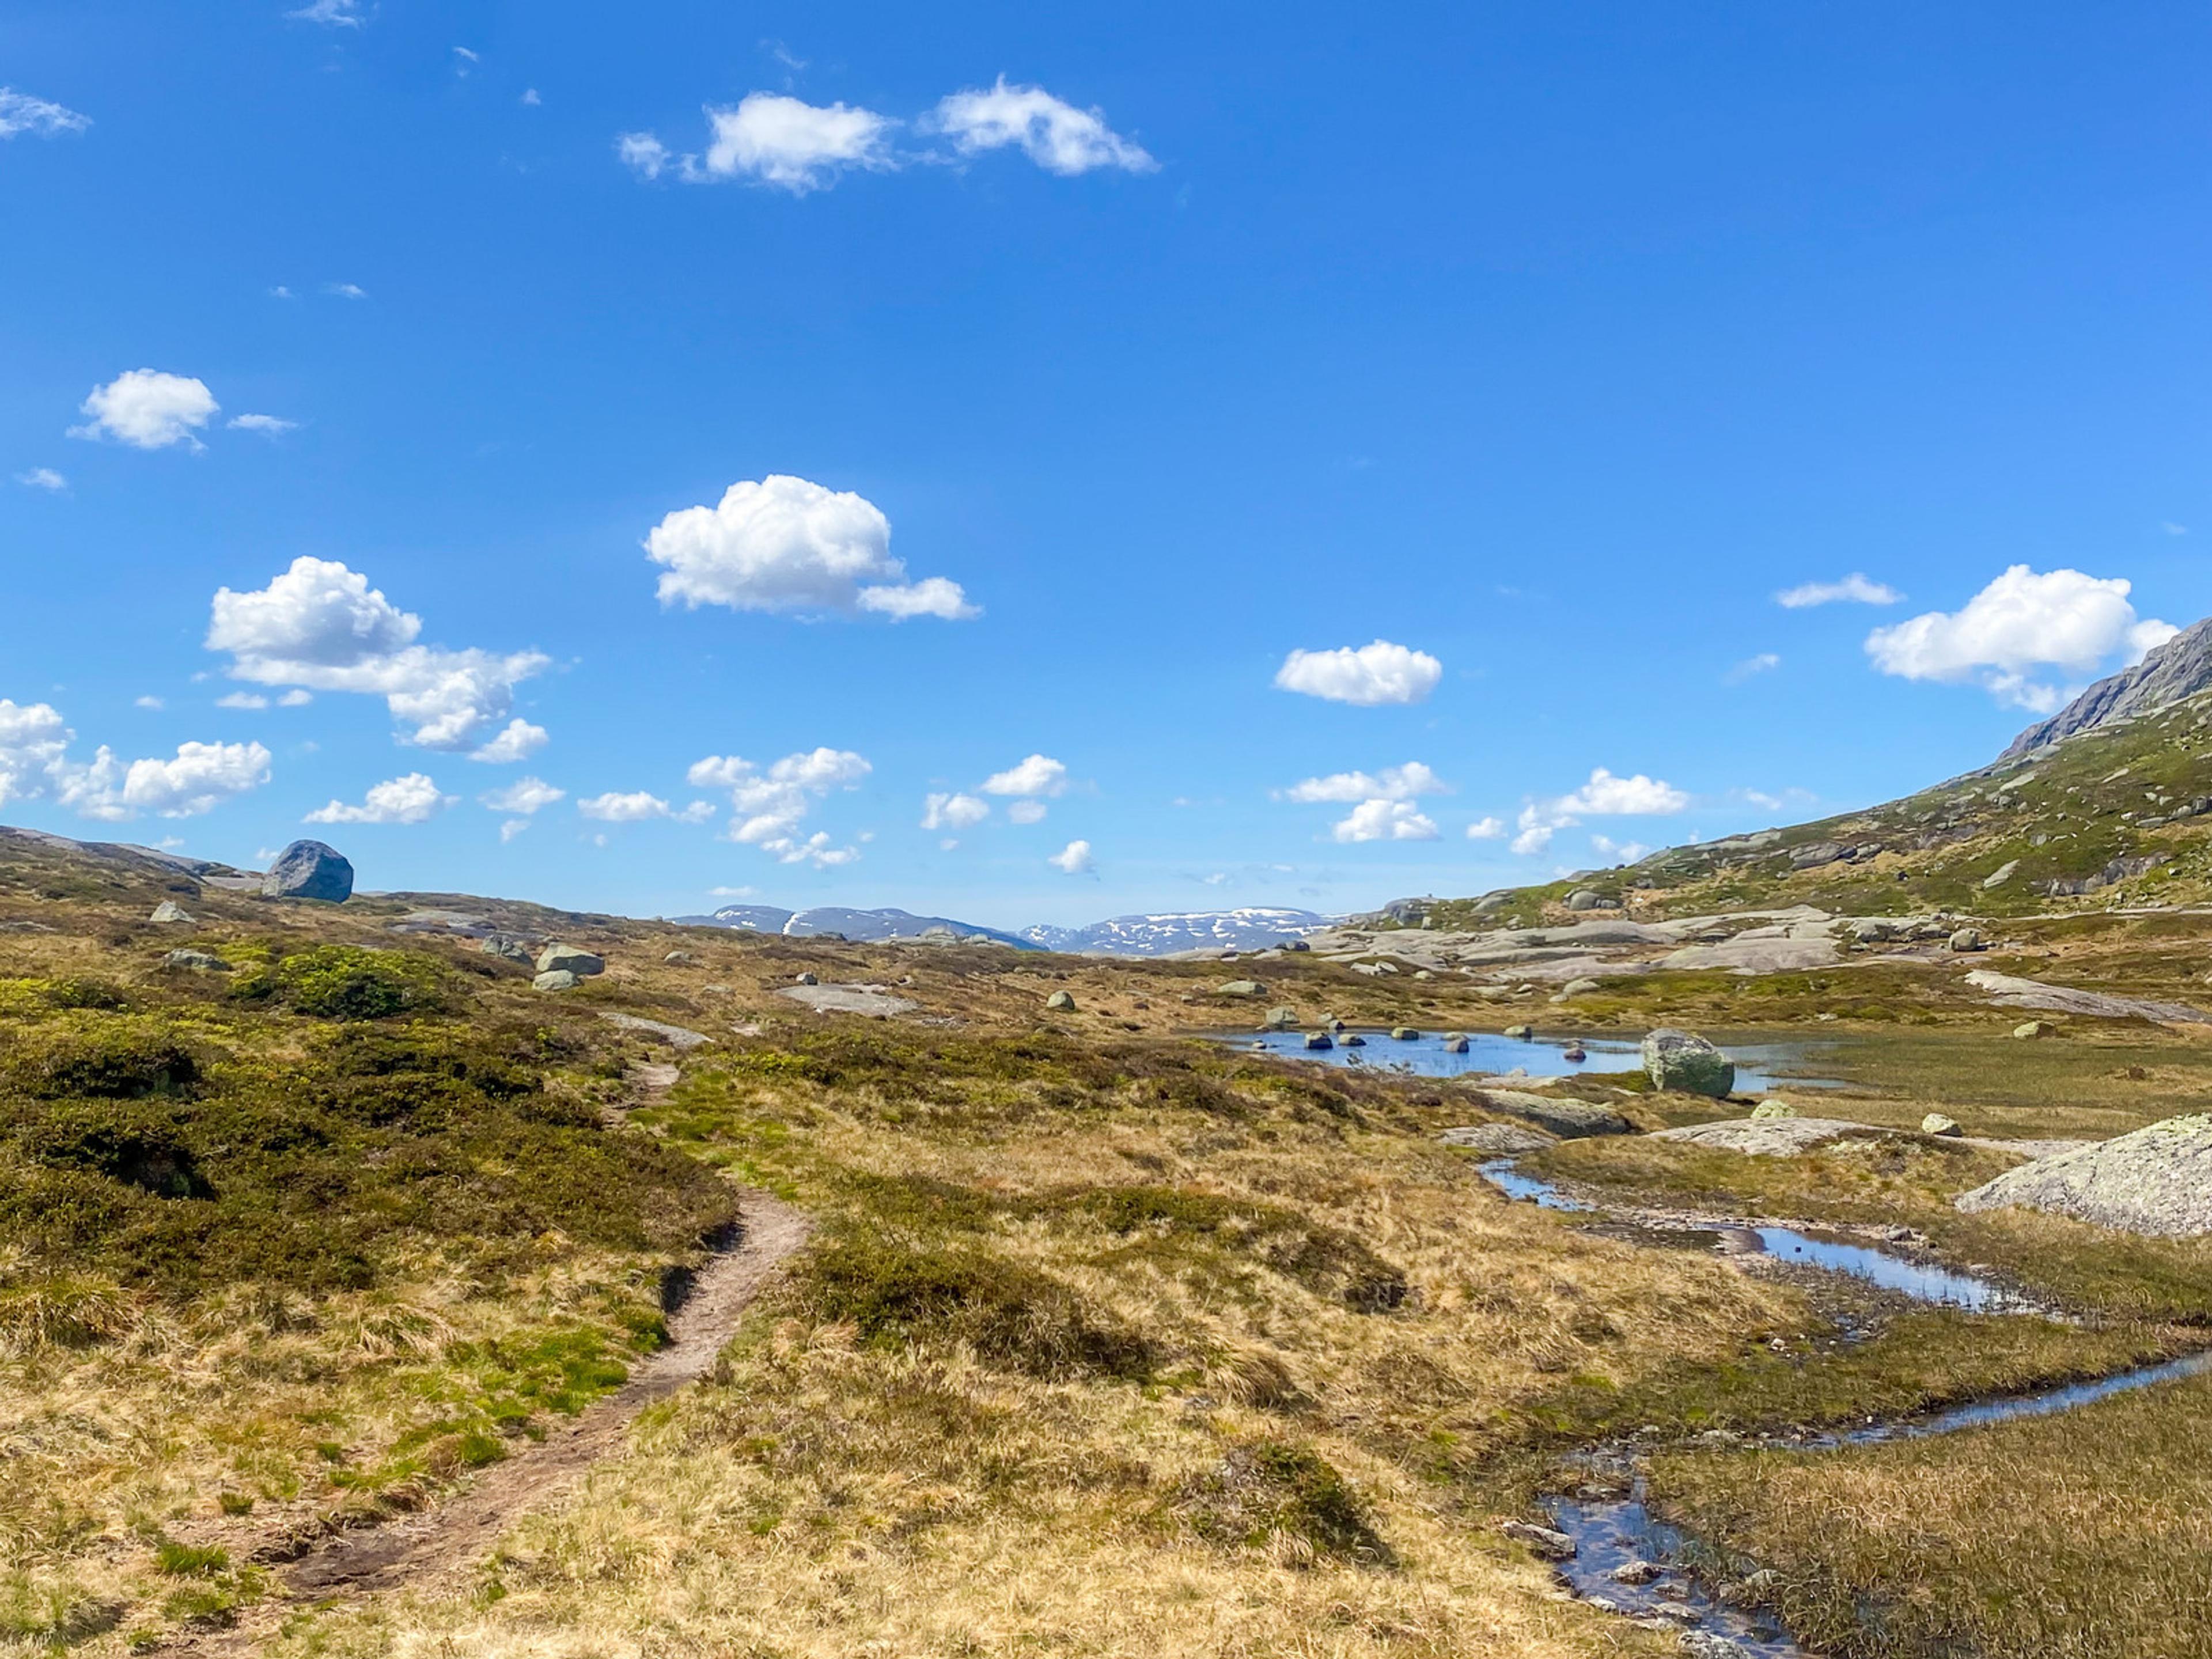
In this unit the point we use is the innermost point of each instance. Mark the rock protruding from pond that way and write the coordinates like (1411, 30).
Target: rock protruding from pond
(1686, 1064)
(2156, 1181)
(568, 959)
(1569, 1120)
(309, 870)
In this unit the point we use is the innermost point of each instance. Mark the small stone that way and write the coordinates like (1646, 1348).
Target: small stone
(680, 958)
(1639, 1572)
(1318, 1040)
(567, 959)
(1454, 1044)
(805, 979)
(1404, 1034)
(1353, 1039)
(557, 979)
(1060, 1002)
(2033, 1028)
(1242, 987)
(166, 911)
(1773, 1108)
(1423, 973)
(1935, 1123)
(1967, 938)
(1546, 1541)
(1574, 1053)
(197, 961)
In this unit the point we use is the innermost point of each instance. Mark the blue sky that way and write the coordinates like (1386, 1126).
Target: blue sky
(713, 432)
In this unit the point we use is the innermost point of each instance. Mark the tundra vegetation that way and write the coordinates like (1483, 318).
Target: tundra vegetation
(1108, 1339)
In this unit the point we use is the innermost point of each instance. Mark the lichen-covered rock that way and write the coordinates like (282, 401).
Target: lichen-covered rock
(1935, 1123)
(1405, 1033)
(1569, 1120)
(2156, 1181)
(1499, 1140)
(196, 962)
(167, 911)
(1242, 987)
(1281, 1019)
(1523, 1032)
(1767, 1110)
(557, 979)
(2030, 1030)
(1060, 1002)
(568, 959)
(1686, 1064)
(1967, 939)
(309, 870)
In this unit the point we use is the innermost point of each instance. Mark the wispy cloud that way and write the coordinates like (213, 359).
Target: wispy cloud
(1854, 589)
(20, 112)
(1764, 663)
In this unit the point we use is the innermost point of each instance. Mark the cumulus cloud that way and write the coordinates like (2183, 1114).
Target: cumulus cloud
(1384, 820)
(1074, 860)
(34, 764)
(20, 112)
(42, 477)
(517, 740)
(1392, 783)
(524, 796)
(1486, 830)
(1369, 676)
(787, 545)
(771, 804)
(1854, 589)
(270, 426)
(1620, 851)
(643, 153)
(148, 410)
(1040, 775)
(1603, 796)
(321, 627)
(241, 700)
(1054, 134)
(1026, 812)
(952, 812)
(633, 808)
(412, 798)
(2021, 622)
(771, 139)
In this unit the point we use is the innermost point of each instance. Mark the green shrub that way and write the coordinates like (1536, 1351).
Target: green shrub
(118, 1064)
(1010, 1314)
(1267, 1490)
(343, 981)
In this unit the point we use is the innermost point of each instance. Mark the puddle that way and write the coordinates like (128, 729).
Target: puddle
(1981, 1412)
(1941, 1287)
(1489, 1054)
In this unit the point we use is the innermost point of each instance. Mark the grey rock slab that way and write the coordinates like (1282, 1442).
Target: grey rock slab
(2156, 1181)
(1687, 1063)
(567, 958)
(309, 870)
(678, 1037)
(2010, 992)
(197, 961)
(1755, 956)
(849, 999)
(1569, 1120)
(1499, 1140)
(556, 979)
(1769, 1137)
(1546, 1541)
(167, 911)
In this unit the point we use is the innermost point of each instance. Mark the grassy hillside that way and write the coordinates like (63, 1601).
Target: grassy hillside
(2107, 818)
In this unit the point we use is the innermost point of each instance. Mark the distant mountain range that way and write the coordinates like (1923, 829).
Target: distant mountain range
(1166, 933)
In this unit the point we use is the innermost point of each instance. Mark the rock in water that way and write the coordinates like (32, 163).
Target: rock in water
(1319, 1040)
(1688, 1064)
(568, 959)
(1523, 1032)
(309, 870)
(1454, 1042)
(2156, 1181)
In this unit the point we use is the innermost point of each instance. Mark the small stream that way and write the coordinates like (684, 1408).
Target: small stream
(1628, 1561)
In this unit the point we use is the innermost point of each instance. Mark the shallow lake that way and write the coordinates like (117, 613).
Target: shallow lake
(1489, 1054)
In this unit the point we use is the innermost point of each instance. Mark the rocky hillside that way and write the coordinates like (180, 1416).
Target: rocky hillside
(1249, 928)
(2106, 806)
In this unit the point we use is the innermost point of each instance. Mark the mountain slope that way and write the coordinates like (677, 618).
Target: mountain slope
(2177, 670)
(861, 927)
(1253, 927)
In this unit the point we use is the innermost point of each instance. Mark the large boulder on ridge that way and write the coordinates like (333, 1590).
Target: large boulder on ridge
(309, 870)
(1688, 1064)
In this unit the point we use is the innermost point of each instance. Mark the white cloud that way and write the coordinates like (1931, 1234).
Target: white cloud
(643, 153)
(337, 14)
(412, 798)
(149, 701)
(511, 828)
(529, 97)
(950, 812)
(1369, 676)
(1764, 663)
(21, 112)
(296, 698)
(787, 545)
(1607, 796)
(1055, 135)
(1384, 820)
(269, 426)
(319, 626)
(1074, 860)
(465, 53)
(1404, 782)
(517, 740)
(148, 410)
(634, 808)
(1854, 589)
(345, 291)
(793, 145)
(241, 700)
(1620, 851)
(2021, 622)
(281, 292)
(732, 892)
(1603, 796)
(524, 796)
(42, 477)
(771, 805)
(1486, 829)
(34, 764)
(1027, 811)
(1040, 775)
